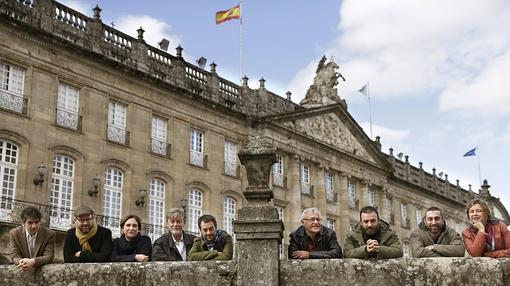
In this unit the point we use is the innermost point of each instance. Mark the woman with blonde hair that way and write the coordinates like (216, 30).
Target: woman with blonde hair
(131, 245)
(485, 236)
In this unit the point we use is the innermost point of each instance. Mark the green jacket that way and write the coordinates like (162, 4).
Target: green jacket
(449, 243)
(223, 248)
(389, 243)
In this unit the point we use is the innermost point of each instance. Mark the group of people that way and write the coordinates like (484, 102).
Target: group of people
(373, 238)
(33, 245)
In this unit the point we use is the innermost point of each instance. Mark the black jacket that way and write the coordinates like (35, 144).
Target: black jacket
(124, 250)
(327, 244)
(101, 245)
(164, 248)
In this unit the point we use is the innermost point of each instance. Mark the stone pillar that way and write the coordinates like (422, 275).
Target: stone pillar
(319, 191)
(343, 202)
(258, 230)
(294, 195)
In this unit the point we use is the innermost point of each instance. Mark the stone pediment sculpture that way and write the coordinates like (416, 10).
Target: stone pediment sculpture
(329, 129)
(323, 91)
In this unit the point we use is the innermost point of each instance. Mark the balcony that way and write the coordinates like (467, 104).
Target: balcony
(160, 148)
(13, 102)
(331, 196)
(117, 135)
(198, 159)
(307, 189)
(68, 119)
(231, 169)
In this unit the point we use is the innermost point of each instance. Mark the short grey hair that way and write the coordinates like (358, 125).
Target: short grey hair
(175, 212)
(313, 210)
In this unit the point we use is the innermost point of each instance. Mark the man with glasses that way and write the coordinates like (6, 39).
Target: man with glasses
(313, 240)
(87, 242)
(372, 238)
(31, 244)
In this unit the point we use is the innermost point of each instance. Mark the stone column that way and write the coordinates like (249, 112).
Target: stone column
(343, 202)
(258, 229)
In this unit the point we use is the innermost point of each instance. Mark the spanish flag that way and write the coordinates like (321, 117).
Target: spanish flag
(232, 13)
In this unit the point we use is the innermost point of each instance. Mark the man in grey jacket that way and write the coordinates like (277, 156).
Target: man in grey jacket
(434, 238)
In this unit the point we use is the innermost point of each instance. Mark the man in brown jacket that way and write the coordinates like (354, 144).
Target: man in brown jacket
(434, 238)
(31, 244)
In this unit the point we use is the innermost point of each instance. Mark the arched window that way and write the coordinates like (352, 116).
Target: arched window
(195, 198)
(61, 193)
(112, 200)
(229, 214)
(8, 170)
(157, 206)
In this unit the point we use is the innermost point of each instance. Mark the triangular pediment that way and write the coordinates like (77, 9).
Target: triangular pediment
(332, 126)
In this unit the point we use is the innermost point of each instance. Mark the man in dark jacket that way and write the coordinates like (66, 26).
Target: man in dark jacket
(215, 244)
(372, 238)
(434, 238)
(87, 242)
(313, 240)
(175, 244)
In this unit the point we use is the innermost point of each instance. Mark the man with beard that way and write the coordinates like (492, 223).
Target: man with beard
(313, 240)
(434, 238)
(175, 244)
(215, 244)
(87, 242)
(372, 238)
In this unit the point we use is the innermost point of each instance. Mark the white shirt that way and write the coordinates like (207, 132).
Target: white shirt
(31, 243)
(180, 247)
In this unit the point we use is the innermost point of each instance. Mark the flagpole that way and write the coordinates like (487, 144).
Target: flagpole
(478, 159)
(369, 108)
(241, 41)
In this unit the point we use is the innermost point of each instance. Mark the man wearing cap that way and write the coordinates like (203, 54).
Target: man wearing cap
(87, 242)
(31, 244)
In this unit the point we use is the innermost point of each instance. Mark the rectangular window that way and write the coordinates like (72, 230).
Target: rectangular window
(67, 106)
(278, 171)
(371, 196)
(229, 214)
(305, 178)
(117, 122)
(12, 80)
(328, 186)
(8, 173)
(351, 193)
(158, 135)
(403, 214)
(230, 155)
(418, 216)
(387, 210)
(196, 148)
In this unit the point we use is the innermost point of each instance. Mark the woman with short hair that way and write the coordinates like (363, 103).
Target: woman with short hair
(131, 245)
(485, 236)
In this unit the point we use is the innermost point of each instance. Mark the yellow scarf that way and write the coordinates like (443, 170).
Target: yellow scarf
(84, 237)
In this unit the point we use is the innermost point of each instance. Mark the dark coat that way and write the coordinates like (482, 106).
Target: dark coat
(164, 248)
(223, 248)
(327, 243)
(389, 243)
(101, 245)
(126, 251)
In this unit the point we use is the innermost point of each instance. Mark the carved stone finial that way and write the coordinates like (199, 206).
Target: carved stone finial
(245, 81)
(262, 83)
(213, 67)
(178, 51)
(323, 90)
(97, 12)
(140, 33)
(289, 95)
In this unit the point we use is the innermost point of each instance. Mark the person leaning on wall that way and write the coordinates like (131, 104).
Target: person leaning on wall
(131, 245)
(485, 236)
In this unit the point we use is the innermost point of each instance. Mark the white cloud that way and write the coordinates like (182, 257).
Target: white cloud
(395, 138)
(155, 30)
(78, 6)
(411, 48)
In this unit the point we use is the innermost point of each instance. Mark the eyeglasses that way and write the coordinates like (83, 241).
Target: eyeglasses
(313, 219)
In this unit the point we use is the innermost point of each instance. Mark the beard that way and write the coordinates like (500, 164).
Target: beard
(176, 232)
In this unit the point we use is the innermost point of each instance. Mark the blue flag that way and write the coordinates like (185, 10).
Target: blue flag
(471, 152)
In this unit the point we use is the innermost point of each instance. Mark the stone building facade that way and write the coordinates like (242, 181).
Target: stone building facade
(92, 116)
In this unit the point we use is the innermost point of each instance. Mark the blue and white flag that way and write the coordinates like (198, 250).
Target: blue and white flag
(471, 152)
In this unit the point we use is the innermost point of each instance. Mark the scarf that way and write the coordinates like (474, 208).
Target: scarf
(491, 245)
(129, 246)
(84, 237)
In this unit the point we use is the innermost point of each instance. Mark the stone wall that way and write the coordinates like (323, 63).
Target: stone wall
(432, 271)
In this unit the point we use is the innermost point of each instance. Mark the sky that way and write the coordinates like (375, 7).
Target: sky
(436, 69)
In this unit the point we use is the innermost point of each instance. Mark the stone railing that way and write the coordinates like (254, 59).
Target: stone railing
(433, 271)
(92, 35)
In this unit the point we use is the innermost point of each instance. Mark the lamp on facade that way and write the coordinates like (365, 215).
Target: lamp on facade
(41, 171)
(140, 202)
(95, 186)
